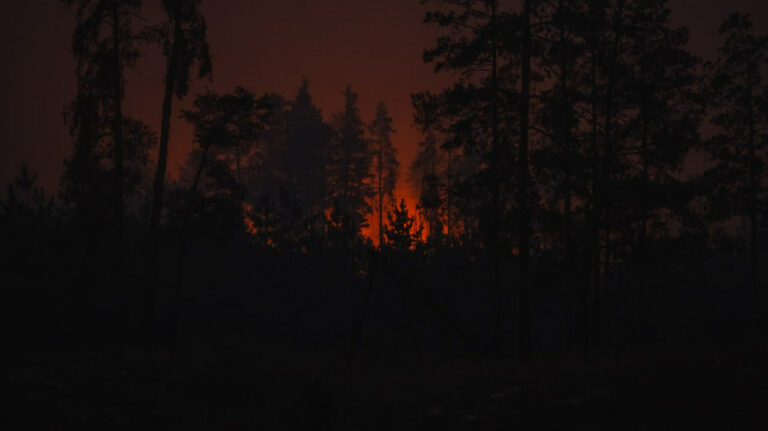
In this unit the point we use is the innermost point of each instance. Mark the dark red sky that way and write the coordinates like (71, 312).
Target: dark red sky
(373, 45)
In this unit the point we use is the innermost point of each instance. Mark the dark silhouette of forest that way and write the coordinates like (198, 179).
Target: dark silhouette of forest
(588, 253)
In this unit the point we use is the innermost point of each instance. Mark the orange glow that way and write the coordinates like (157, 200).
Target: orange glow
(250, 225)
(402, 191)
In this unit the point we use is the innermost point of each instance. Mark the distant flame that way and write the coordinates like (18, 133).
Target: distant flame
(372, 230)
(411, 202)
(250, 225)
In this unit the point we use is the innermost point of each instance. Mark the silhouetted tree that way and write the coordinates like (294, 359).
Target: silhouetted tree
(401, 231)
(349, 164)
(668, 108)
(385, 161)
(102, 57)
(456, 118)
(478, 45)
(303, 153)
(740, 97)
(558, 161)
(428, 175)
(30, 219)
(476, 113)
(264, 177)
(85, 183)
(226, 127)
(25, 200)
(524, 227)
(183, 39)
(562, 47)
(288, 170)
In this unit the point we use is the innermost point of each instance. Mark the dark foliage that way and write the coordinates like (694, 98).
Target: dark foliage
(566, 267)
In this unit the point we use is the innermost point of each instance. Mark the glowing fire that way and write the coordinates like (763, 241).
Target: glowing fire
(411, 202)
(372, 230)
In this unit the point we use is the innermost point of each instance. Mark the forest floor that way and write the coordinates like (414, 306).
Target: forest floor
(716, 389)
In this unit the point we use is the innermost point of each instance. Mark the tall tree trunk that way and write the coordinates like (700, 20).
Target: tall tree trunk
(754, 183)
(496, 249)
(150, 289)
(381, 187)
(645, 297)
(449, 197)
(565, 139)
(607, 189)
(645, 110)
(117, 130)
(525, 217)
(594, 216)
(644, 210)
(181, 254)
(165, 127)
(753, 229)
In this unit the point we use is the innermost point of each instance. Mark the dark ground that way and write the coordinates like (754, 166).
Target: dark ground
(79, 390)
(264, 348)
(725, 389)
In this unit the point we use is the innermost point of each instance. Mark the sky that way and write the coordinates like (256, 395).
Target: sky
(266, 46)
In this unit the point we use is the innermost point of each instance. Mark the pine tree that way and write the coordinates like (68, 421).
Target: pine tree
(401, 231)
(523, 198)
(304, 152)
(428, 175)
(349, 164)
(183, 39)
(226, 127)
(472, 114)
(385, 162)
(102, 57)
(483, 114)
(740, 96)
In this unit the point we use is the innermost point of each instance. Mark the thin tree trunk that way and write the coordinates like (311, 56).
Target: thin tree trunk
(753, 201)
(181, 255)
(496, 249)
(607, 177)
(449, 197)
(165, 126)
(567, 200)
(645, 299)
(525, 217)
(381, 187)
(150, 290)
(119, 177)
(594, 243)
(753, 234)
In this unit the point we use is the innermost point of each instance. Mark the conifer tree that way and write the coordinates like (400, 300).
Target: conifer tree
(739, 94)
(304, 151)
(102, 58)
(478, 117)
(226, 127)
(384, 162)
(429, 177)
(401, 231)
(349, 164)
(183, 39)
